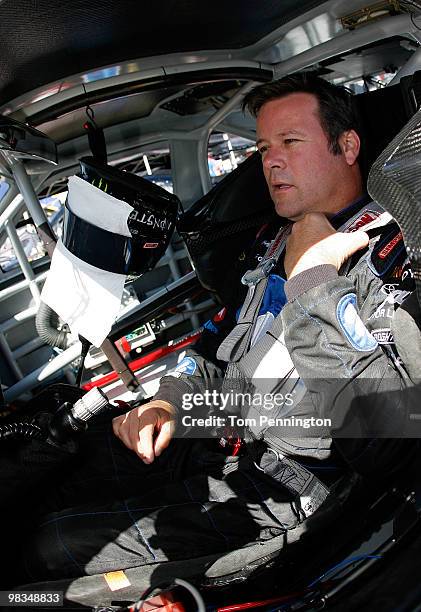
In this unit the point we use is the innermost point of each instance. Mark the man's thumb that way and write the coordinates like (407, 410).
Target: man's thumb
(356, 241)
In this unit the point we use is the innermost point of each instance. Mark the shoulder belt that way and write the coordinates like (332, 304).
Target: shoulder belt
(389, 250)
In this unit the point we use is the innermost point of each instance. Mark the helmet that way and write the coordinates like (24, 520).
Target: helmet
(150, 223)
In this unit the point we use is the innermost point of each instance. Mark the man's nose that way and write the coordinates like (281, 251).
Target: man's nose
(274, 158)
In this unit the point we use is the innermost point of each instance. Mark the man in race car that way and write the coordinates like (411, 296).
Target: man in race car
(316, 326)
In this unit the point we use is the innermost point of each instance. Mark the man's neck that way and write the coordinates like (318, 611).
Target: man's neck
(348, 211)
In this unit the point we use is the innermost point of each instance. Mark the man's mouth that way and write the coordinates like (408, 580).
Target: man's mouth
(281, 186)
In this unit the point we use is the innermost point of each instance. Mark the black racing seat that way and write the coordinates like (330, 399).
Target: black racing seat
(219, 226)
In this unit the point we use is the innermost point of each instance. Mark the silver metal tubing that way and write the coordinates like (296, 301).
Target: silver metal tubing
(33, 205)
(8, 355)
(182, 316)
(175, 255)
(13, 201)
(12, 208)
(156, 295)
(175, 271)
(17, 319)
(42, 373)
(22, 259)
(232, 103)
(211, 123)
(8, 198)
(172, 263)
(21, 286)
(26, 188)
(28, 347)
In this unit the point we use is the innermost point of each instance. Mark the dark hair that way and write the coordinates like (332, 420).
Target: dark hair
(336, 107)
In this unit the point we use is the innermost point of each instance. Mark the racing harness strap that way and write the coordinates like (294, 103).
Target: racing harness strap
(309, 492)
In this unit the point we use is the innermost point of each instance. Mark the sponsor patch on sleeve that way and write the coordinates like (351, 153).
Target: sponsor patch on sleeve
(352, 326)
(383, 335)
(186, 366)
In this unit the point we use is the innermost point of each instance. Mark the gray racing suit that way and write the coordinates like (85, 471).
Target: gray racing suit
(338, 331)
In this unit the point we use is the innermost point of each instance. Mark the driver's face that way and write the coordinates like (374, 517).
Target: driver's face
(301, 172)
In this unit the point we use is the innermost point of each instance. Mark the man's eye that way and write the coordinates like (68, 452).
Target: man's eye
(262, 150)
(290, 140)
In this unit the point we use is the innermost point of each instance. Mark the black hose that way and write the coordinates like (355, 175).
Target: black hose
(28, 431)
(46, 322)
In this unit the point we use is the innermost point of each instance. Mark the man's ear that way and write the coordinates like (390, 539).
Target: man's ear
(350, 143)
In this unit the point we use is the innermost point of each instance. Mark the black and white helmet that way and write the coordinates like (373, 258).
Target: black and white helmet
(151, 218)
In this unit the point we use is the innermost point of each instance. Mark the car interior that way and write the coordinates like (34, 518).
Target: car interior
(157, 93)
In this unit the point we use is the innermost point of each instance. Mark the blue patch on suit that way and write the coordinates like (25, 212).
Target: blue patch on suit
(186, 366)
(210, 326)
(352, 325)
(274, 298)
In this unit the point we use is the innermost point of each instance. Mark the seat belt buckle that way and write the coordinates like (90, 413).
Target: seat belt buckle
(230, 442)
(252, 277)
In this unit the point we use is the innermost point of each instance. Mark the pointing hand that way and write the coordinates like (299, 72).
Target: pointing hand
(146, 430)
